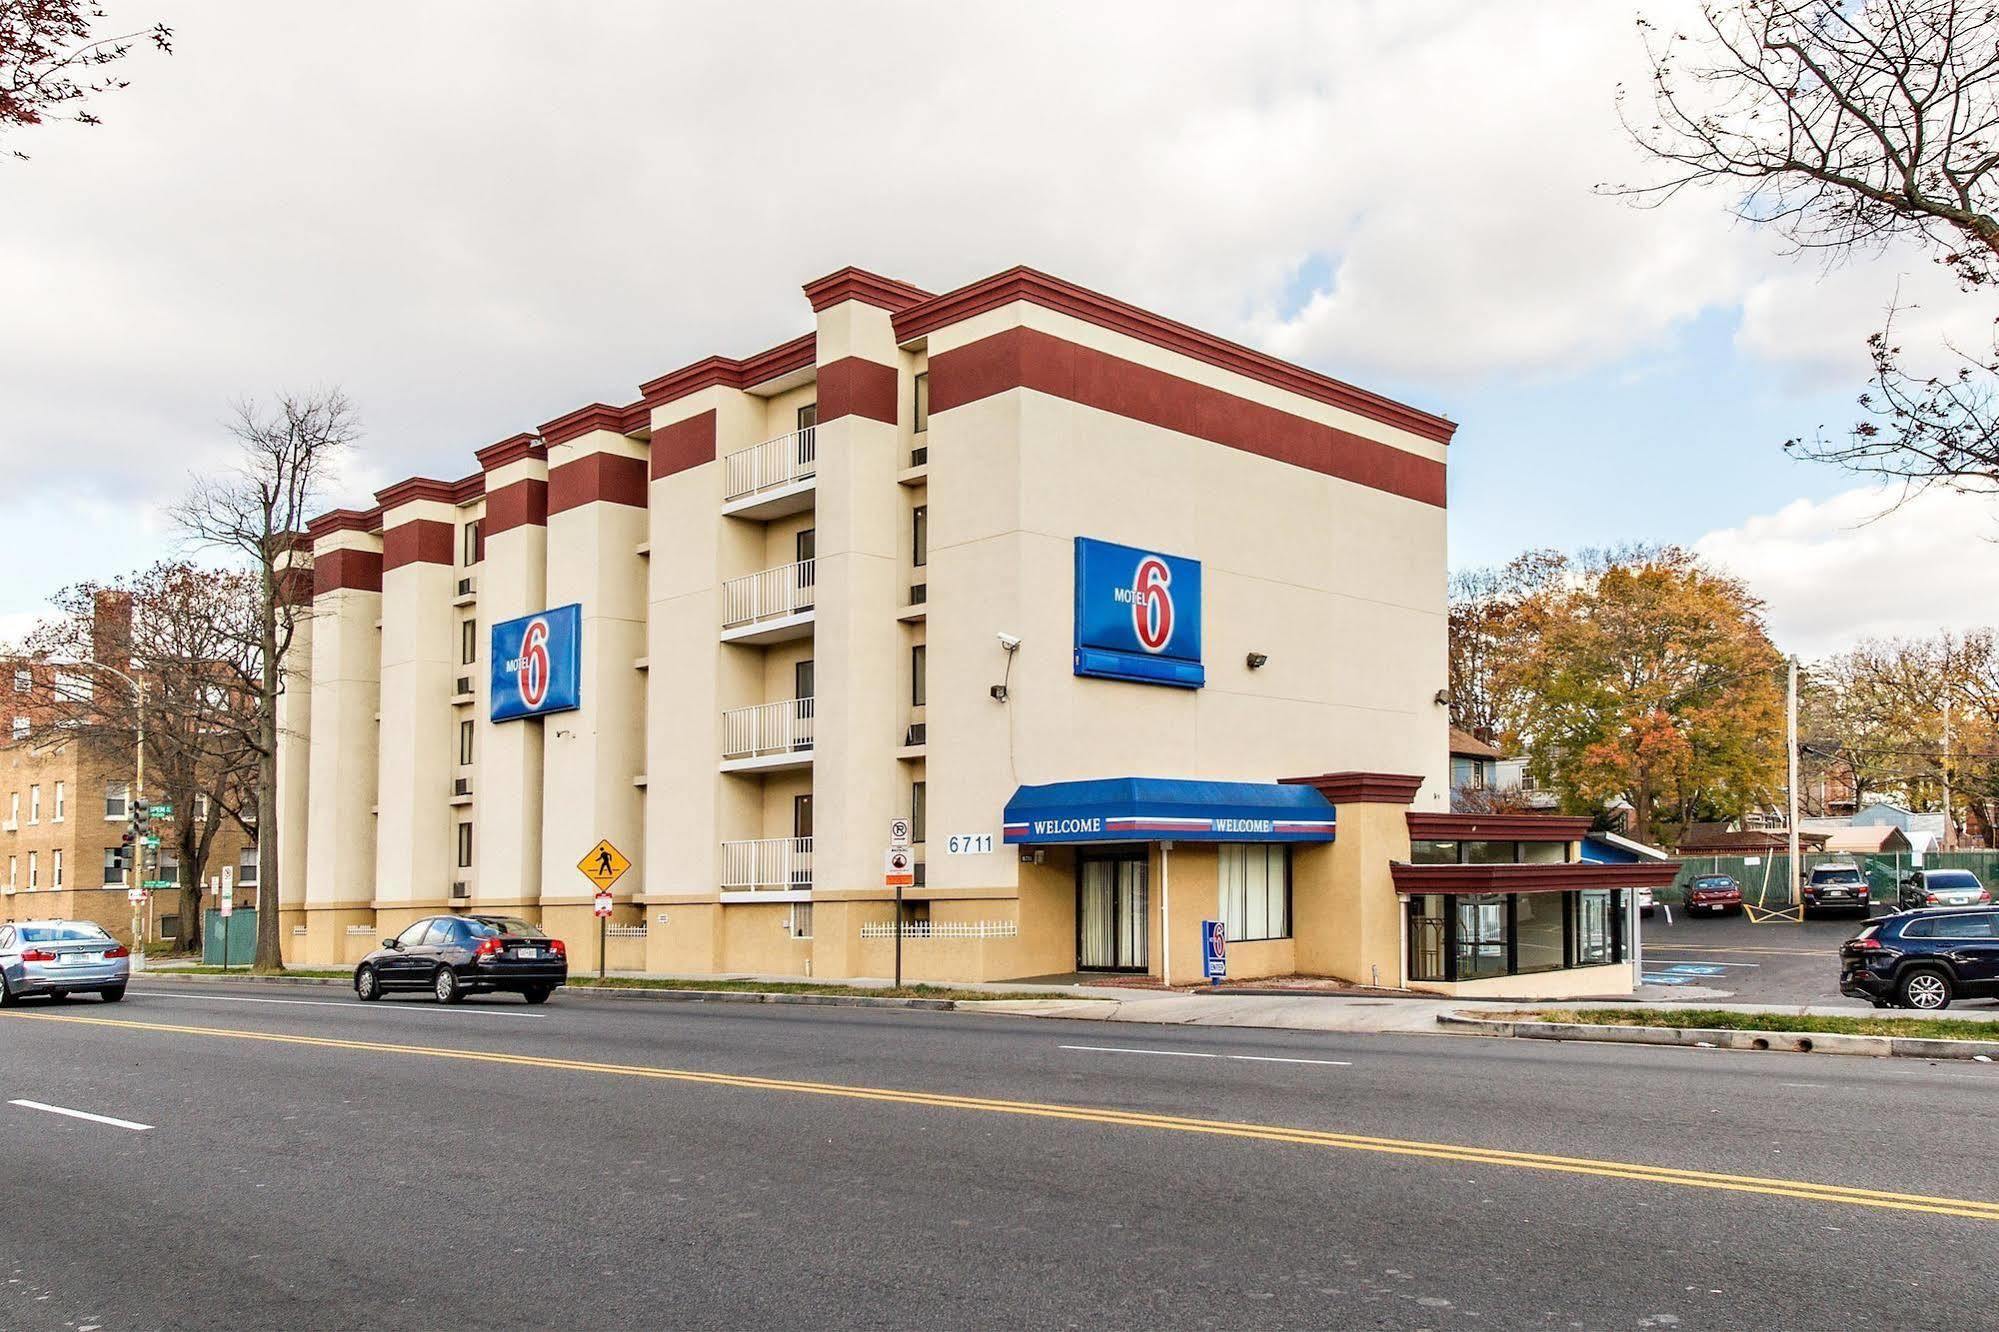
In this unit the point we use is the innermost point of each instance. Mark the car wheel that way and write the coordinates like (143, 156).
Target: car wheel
(367, 986)
(8, 996)
(446, 986)
(113, 994)
(538, 994)
(1925, 989)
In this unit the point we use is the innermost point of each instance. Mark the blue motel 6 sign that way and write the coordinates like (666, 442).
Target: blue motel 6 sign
(1138, 615)
(536, 664)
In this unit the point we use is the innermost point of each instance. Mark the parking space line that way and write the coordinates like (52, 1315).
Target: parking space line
(335, 1003)
(83, 1114)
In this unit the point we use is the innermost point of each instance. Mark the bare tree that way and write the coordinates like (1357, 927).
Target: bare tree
(1841, 127)
(180, 632)
(51, 64)
(258, 509)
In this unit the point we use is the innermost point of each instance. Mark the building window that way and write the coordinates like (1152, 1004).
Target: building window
(1481, 935)
(114, 868)
(1255, 891)
(246, 867)
(921, 415)
(13, 871)
(35, 803)
(1428, 935)
(473, 542)
(919, 684)
(55, 868)
(201, 808)
(116, 800)
(14, 807)
(917, 800)
(62, 802)
(1595, 938)
(465, 741)
(464, 846)
(468, 642)
(801, 920)
(35, 870)
(20, 728)
(170, 927)
(24, 681)
(808, 417)
(1539, 933)
(919, 540)
(1433, 853)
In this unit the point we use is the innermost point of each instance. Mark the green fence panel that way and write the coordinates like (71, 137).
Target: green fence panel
(240, 931)
(1766, 880)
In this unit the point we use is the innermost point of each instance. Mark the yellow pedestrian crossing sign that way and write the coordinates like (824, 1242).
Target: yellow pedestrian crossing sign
(605, 864)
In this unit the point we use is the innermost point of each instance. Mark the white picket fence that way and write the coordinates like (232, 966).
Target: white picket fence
(943, 929)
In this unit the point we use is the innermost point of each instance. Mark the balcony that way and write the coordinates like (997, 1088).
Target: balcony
(768, 737)
(770, 606)
(770, 869)
(771, 479)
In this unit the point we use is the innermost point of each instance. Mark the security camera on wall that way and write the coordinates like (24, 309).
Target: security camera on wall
(1010, 642)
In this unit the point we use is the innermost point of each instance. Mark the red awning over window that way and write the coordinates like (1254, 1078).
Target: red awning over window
(1571, 877)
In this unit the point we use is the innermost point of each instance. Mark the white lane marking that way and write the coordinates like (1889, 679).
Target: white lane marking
(1696, 961)
(83, 1114)
(1196, 1054)
(331, 1003)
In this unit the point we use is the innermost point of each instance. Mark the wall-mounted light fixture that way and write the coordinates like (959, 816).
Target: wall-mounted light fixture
(1256, 660)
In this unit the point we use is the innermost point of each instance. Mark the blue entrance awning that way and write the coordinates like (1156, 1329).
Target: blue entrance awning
(1152, 809)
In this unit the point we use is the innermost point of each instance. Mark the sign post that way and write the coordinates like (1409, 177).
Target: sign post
(137, 897)
(1214, 951)
(898, 872)
(228, 906)
(603, 865)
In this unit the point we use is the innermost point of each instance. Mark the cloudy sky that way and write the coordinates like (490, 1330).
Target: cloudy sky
(476, 216)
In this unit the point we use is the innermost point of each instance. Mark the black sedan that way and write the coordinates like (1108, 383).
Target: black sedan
(453, 956)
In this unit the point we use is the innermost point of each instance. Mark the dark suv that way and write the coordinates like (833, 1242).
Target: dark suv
(1923, 959)
(1838, 884)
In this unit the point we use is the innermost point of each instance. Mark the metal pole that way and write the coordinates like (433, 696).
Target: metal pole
(132, 875)
(1949, 824)
(898, 935)
(1166, 914)
(602, 933)
(1791, 754)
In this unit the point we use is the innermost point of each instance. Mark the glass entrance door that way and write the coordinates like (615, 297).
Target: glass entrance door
(1111, 919)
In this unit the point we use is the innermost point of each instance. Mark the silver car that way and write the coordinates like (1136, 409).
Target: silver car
(61, 957)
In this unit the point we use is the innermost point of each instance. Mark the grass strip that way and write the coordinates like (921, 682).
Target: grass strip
(1948, 1029)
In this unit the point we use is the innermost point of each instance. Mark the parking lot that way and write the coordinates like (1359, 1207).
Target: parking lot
(1776, 962)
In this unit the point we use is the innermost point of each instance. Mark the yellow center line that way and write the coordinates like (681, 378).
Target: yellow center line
(1439, 1151)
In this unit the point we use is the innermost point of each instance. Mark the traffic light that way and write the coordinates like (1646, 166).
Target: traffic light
(126, 843)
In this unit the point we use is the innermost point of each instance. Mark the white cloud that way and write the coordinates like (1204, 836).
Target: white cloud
(1834, 571)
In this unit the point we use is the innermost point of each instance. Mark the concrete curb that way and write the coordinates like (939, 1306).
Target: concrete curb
(608, 992)
(1802, 1042)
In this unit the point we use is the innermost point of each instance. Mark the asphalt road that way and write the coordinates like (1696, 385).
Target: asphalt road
(1734, 957)
(312, 1162)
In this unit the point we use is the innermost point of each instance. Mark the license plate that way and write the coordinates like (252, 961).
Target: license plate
(78, 959)
(527, 952)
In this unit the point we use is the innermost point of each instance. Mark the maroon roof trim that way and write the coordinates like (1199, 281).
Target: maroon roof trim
(854, 284)
(1361, 788)
(1572, 876)
(1504, 827)
(1026, 284)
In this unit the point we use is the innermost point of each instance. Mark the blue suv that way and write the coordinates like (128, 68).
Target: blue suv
(1923, 959)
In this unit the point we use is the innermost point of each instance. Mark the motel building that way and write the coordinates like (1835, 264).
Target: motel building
(1127, 627)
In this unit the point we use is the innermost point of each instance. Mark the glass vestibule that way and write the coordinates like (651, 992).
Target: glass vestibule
(1112, 924)
(1474, 936)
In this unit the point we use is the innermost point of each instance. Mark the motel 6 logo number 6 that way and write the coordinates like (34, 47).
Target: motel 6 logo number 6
(531, 667)
(1152, 604)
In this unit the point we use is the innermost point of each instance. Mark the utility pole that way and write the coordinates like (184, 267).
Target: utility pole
(1949, 824)
(1791, 754)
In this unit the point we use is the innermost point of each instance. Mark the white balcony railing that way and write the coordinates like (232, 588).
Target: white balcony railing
(767, 864)
(769, 465)
(767, 728)
(769, 595)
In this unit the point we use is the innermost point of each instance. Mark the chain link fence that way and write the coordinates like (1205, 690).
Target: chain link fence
(1766, 880)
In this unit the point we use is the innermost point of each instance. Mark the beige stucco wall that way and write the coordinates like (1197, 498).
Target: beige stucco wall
(415, 827)
(1577, 983)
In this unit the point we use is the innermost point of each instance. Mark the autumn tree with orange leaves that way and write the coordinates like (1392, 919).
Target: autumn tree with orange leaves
(1644, 676)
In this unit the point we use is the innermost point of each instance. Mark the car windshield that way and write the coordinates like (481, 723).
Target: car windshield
(78, 933)
(1837, 874)
(1953, 879)
(1722, 881)
(490, 927)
